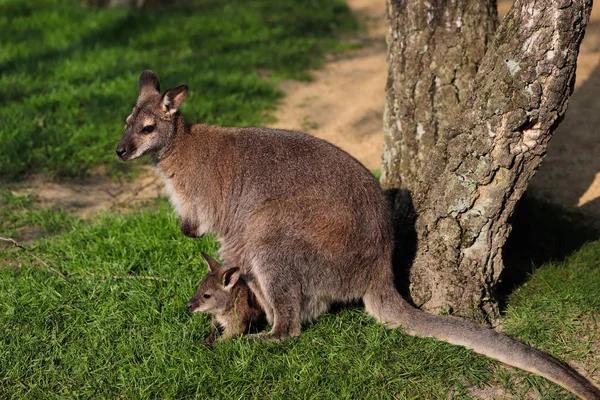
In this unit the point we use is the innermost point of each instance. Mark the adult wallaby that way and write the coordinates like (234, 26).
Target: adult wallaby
(224, 295)
(303, 219)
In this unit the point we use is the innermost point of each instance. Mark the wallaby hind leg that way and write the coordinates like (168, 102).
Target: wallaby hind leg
(257, 291)
(284, 298)
(286, 321)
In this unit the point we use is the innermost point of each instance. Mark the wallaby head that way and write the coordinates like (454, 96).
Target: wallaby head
(214, 291)
(153, 122)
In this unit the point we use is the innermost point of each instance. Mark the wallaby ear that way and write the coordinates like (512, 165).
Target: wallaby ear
(213, 265)
(173, 98)
(230, 277)
(148, 83)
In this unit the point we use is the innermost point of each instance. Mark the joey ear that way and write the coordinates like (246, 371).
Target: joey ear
(213, 265)
(148, 83)
(173, 98)
(230, 277)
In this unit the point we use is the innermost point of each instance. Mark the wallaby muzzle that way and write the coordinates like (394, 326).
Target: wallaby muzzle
(191, 305)
(126, 149)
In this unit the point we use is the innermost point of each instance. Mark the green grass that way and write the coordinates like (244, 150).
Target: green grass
(98, 336)
(69, 73)
(22, 218)
(68, 76)
(558, 309)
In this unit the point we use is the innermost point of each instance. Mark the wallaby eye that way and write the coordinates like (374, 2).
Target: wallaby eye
(148, 128)
(206, 296)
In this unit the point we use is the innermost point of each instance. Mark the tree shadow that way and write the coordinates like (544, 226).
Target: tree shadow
(404, 218)
(541, 232)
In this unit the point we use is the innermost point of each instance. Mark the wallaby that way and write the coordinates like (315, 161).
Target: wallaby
(303, 219)
(224, 295)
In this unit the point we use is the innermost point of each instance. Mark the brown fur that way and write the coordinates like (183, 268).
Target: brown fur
(224, 295)
(306, 222)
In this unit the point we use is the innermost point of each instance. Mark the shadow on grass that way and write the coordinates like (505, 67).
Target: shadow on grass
(404, 218)
(542, 232)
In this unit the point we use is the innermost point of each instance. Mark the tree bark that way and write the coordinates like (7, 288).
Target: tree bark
(467, 161)
(434, 51)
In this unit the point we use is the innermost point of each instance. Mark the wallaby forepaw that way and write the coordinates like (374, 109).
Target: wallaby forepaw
(264, 336)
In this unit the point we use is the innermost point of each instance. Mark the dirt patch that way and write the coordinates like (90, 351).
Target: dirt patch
(499, 393)
(87, 197)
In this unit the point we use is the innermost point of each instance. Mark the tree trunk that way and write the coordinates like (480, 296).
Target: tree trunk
(434, 51)
(466, 125)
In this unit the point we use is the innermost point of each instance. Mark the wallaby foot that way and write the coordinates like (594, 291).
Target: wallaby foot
(209, 341)
(212, 340)
(280, 297)
(286, 325)
(281, 336)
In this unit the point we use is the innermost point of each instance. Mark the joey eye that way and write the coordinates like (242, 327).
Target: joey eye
(148, 129)
(206, 296)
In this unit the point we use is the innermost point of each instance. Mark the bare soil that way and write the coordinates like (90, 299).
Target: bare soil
(86, 197)
(344, 105)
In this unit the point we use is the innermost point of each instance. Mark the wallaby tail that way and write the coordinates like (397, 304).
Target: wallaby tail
(387, 306)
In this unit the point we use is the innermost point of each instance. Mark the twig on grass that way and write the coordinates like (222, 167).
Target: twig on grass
(135, 194)
(111, 194)
(17, 244)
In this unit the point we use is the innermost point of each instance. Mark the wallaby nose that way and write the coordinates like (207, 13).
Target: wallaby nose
(121, 151)
(189, 305)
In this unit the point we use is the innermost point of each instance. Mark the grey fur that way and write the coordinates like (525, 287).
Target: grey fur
(306, 222)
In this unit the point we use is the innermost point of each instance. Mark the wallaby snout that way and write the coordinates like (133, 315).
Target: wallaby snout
(121, 151)
(126, 148)
(190, 306)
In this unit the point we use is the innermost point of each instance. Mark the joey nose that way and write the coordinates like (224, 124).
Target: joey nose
(121, 151)
(189, 305)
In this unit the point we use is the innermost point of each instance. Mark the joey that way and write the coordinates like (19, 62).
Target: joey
(227, 298)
